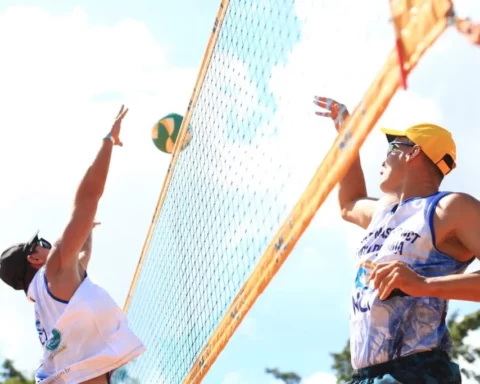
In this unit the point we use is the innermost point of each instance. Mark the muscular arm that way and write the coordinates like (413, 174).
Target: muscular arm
(63, 261)
(462, 215)
(89, 192)
(455, 287)
(86, 252)
(356, 207)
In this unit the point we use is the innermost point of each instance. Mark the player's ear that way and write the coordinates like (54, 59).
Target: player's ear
(414, 153)
(34, 259)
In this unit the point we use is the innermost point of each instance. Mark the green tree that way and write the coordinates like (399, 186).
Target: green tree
(342, 364)
(459, 330)
(286, 377)
(10, 375)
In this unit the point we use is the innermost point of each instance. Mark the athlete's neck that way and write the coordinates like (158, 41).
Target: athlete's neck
(422, 189)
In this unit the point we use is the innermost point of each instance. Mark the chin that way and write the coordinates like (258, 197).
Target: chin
(382, 188)
(385, 186)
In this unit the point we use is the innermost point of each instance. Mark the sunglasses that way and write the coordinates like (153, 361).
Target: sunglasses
(42, 242)
(394, 145)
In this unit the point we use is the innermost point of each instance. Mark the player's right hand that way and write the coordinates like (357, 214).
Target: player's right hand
(115, 131)
(336, 111)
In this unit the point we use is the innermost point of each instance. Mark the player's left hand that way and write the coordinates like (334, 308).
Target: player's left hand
(396, 275)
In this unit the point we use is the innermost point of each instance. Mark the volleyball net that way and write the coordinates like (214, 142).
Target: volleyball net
(260, 162)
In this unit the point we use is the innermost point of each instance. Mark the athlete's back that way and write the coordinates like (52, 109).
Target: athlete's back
(84, 339)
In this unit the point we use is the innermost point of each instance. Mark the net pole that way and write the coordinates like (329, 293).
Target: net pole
(429, 24)
(222, 10)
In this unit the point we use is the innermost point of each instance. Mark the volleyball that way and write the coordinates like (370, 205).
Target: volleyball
(165, 132)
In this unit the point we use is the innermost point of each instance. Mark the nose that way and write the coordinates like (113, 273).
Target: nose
(383, 163)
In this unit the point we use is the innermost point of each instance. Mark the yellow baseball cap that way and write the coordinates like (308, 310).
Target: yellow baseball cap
(435, 141)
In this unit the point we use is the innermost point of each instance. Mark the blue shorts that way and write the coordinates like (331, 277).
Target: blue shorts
(432, 367)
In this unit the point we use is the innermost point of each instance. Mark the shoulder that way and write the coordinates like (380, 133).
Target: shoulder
(457, 203)
(458, 209)
(458, 219)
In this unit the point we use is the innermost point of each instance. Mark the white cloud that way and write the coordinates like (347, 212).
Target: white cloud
(55, 68)
(248, 328)
(473, 338)
(234, 378)
(63, 81)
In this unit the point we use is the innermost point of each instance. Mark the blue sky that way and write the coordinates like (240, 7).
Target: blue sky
(68, 66)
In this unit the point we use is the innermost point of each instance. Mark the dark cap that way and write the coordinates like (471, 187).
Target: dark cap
(13, 263)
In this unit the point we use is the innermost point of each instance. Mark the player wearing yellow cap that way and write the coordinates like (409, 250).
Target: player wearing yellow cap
(418, 242)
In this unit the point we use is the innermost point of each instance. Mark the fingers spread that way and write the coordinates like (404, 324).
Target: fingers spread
(323, 101)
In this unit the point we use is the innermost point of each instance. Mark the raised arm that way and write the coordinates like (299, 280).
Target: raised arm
(356, 207)
(64, 256)
(86, 251)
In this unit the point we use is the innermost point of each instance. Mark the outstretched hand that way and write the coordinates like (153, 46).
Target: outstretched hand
(336, 111)
(115, 131)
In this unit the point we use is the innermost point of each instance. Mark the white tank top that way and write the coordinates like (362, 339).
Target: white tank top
(385, 330)
(83, 338)
(48, 308)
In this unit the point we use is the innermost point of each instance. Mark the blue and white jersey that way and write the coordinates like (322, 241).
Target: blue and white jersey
(384, 330)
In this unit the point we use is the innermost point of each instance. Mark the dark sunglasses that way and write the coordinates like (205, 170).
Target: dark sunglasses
(394, 145)
(42, 242)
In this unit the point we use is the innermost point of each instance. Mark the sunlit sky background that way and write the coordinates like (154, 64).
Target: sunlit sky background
(67, 66)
